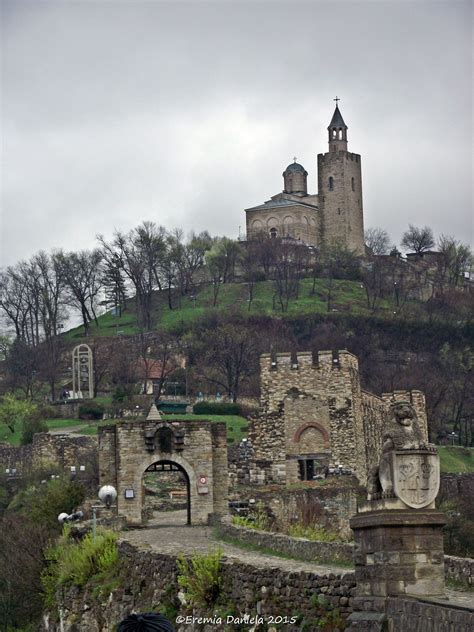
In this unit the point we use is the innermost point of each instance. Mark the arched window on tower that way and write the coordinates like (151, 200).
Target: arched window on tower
(331, 183)
(334, 133)
(273, 233)
(353, 184)
(340, 133)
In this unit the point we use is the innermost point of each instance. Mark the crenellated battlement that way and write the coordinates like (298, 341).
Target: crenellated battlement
(338, 155)
(324, 359)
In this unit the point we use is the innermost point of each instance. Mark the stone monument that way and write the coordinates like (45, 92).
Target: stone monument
(397, 531)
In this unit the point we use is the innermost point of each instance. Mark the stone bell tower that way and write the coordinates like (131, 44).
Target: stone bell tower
(340, 190)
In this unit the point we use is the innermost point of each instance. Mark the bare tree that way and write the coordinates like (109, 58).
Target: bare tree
(227, 356)
(290, 262)
(377, 241)
(455, 261)
(14, 301)
(140, 253)
(373, 282)
(221, 260)
(251, 268)
(113, 282)
(83, 280)
(418, 239)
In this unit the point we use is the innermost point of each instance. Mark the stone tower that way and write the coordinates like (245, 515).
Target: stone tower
(340, 190)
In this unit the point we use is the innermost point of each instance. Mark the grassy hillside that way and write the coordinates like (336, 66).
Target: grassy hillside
(347, 297)
(13, 438)
(236, 426)
(456, 459)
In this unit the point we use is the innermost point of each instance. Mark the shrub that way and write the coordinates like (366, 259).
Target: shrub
(14, 411)
(258, 519)
(44, 502)
(32, 426)
(317, 533)
(216, 408)
(72, 562)
(46, 411)
(200, 578)
(91, 410)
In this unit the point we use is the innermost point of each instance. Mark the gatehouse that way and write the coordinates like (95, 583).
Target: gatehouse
(196, 448)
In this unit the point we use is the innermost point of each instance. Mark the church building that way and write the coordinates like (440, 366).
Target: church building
(332, 216)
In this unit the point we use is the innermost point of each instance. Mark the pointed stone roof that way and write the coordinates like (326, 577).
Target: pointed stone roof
(337, 120)
(154, 414)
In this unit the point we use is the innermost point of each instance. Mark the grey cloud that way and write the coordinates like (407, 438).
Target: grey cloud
(186, 113)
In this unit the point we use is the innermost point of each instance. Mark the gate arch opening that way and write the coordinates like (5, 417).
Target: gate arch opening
(169, 466)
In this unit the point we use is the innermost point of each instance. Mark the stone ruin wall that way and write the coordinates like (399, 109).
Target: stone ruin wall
(48, 450)
(322, 392)
(318, 390)
(268, 591)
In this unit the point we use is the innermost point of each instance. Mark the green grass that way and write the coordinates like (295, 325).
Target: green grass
(456, 459)
(13, 438)
(235, 424)
(347, 297)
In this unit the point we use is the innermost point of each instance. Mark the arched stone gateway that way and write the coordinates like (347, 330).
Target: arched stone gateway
(197, 448)
(173, 467)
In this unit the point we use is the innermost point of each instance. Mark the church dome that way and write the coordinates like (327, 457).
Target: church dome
(294, 178)
(295, 166)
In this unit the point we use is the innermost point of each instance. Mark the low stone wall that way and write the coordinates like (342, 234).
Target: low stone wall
(68, 410)
(459, 569)
(46, 449)
(455, 486)
(418, 615)
(309, 550)
(151, 584)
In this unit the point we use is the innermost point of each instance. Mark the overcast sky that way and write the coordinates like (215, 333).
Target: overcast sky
(185, 113)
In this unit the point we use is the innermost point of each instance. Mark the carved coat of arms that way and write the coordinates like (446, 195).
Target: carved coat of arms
(415, 477)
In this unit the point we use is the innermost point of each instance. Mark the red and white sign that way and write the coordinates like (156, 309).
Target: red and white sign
(202, 480)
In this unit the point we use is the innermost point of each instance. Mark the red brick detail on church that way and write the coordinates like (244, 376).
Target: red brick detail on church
(312, 424)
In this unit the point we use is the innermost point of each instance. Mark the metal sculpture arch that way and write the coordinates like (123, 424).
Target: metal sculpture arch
(82, 372)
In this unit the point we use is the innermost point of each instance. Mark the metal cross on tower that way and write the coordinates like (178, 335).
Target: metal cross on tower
(336, 99)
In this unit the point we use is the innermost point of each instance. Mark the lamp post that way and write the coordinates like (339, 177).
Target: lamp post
(107, 496)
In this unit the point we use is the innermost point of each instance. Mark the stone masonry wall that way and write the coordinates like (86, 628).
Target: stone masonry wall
(124, 456)
(47, 449)
(341, 208)
(458, 569)
(314, 406)
(412, 615)
(301, 548)
(305, 391)
(151, 583)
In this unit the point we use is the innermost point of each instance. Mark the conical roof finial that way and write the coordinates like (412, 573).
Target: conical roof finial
(153, 414)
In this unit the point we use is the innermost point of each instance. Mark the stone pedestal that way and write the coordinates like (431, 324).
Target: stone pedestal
(397, 552)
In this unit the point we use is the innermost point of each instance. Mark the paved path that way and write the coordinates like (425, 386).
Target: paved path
(168, 533)
(74, 430)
